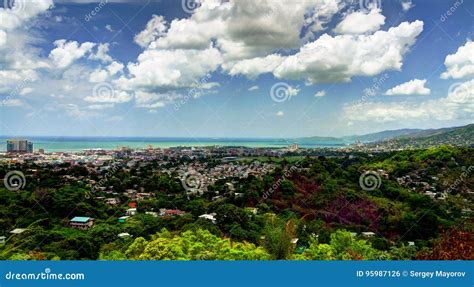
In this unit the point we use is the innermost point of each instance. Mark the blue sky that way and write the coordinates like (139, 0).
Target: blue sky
(234, 68)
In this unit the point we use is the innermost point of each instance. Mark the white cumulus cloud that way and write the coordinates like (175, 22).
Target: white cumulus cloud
(407, 5)
(460, 64)
(66, 52)
(170, 69)
(413, 87)
(102, 53)
(458, 104)
(320, 94)
(327, 59)
(360, 22)
(102, 75)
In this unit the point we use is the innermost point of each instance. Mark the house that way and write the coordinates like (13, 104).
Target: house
(383, 173)
(171, 212)
(411, 243)
(81, 222)
(18, 231)
(112, 201)
(368, 234)
(211, 217)
(131, 193)
(300, 250)
(152, 213)
(2, 239)
(123, 219)
(123, 235)
(143, 195)
(252, 210)
(131, 211)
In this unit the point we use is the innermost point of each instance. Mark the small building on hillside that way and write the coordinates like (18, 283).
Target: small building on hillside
(112, 201)
(81, 222)
(211, 217)
(143, 195)
(152, 213)
(123, 235)
(123, 219)
(368, 234)
(2, 239)
(171, 212)
(18, 231)
(131, 211)
(252, 210)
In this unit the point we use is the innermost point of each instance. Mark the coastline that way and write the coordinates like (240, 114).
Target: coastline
(77, 144)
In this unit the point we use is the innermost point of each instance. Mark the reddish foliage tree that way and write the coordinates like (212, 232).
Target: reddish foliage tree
(454, 244)
(359, 212)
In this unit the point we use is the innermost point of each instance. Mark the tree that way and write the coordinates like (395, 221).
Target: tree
(193, 245)
(278, 237)
(454, 244)
(343, 246)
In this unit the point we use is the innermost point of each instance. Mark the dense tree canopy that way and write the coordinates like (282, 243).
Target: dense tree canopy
(313, 209)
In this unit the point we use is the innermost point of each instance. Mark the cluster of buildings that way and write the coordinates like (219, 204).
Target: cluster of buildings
(421, 184)
(206, 175)
(19, 146)
(22, 150)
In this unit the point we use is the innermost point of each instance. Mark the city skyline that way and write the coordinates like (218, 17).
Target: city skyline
(232, 70)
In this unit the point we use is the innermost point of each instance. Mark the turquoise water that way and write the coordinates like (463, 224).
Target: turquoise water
(70, 144)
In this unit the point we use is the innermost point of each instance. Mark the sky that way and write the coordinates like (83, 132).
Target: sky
(234, 68)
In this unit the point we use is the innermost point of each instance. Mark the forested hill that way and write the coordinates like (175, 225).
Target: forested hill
(419, 137)
(458, 136)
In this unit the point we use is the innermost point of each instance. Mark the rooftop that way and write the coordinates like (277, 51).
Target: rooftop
(81, 219)
(17, 230)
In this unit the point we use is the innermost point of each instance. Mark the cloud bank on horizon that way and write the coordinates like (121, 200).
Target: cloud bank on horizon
(209, 67)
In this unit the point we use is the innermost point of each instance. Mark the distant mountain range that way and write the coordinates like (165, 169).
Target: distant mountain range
(415, 137)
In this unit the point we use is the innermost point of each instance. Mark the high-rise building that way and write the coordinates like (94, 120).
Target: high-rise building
(19, 146)
(29, 148)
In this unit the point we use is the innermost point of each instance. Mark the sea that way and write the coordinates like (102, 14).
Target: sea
(76, 144)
